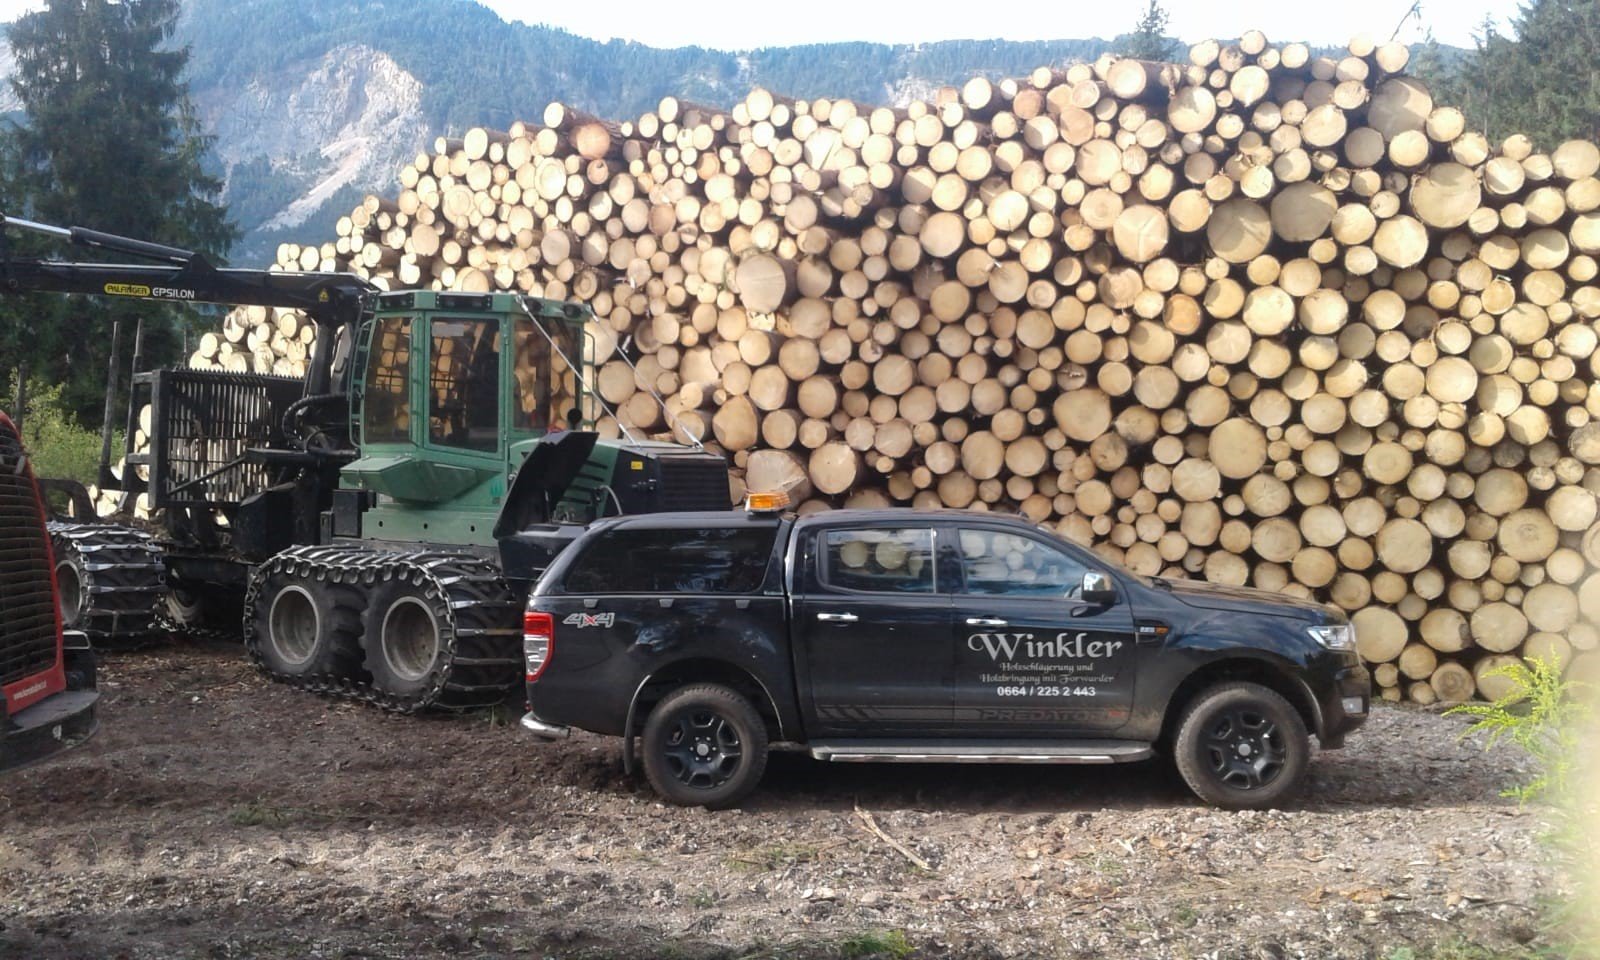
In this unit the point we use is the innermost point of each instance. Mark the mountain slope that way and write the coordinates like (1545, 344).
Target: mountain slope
(314, 102)
(8, 64)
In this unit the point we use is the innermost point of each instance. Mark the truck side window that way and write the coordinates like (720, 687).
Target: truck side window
(999, 563)
(386, 400)
(673, 560)
(465, 384)
(530, 406)
(879, 561)
(545, 394)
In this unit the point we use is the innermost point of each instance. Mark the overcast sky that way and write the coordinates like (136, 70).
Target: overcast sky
(736, 24)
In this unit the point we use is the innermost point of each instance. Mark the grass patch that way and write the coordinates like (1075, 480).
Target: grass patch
(1107, 866)
(863, 945)
(260, 814)
(891, 944)
(499, 715)
(775, 857)
(1461, 948)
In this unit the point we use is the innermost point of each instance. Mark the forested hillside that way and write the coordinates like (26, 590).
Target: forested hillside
(477, 69)
(278, 79)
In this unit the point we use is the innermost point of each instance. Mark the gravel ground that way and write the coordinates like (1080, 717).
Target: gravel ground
(218, 815)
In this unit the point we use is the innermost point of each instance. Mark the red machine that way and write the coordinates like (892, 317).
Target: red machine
(47, 678)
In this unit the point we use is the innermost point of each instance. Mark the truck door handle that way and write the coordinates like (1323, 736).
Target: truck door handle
(984, 622)
(837, 617)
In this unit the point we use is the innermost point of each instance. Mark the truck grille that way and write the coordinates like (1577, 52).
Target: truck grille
(693, 483)
(204, 422)
(27, 602)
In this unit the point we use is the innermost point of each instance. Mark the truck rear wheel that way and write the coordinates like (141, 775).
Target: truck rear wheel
(405, 640)
(706, 746)
(1241, 746)
(301, 631)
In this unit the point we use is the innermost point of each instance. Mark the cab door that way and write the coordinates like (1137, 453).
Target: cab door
(1033, 658)
(873, 632)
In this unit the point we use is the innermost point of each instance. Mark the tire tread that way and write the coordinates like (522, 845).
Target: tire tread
(1200, 780)
(754, 736)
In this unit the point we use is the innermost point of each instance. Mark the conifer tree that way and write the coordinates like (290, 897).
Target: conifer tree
(109, 141)
(1149, 40)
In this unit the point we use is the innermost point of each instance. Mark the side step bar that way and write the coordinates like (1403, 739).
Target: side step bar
(981, 751)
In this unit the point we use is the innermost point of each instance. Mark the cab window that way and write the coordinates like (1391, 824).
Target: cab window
(879, 560)
(1001, 563)
(545, 392)
(464, 384)
(386, 400)
(675, 560)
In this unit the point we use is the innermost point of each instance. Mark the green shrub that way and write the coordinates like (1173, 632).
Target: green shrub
(1551, 719)
(58, 445)
(1542, 714)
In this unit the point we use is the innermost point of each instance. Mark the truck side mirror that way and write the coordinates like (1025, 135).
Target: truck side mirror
(1098, 588)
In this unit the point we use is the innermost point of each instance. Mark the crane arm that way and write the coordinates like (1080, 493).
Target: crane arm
(332, 300)
(182, 276)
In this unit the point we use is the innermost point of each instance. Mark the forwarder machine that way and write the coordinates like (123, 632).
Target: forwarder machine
(374, 526)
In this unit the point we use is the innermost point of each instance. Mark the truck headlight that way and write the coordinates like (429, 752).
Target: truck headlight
(1334, 636)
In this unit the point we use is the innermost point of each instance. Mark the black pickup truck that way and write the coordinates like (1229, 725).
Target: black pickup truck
(893, 635)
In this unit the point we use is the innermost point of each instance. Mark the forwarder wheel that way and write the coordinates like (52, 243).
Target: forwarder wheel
(705, 746)
(198, 606)
(405, 640)
(109, 580)
(1241, 746)
(301, 631)
(69, 593)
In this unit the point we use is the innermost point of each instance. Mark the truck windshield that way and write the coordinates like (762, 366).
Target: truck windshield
(464, 384)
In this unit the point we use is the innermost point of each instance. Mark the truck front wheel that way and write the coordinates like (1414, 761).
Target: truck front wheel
(704, 745)
(1241, 746)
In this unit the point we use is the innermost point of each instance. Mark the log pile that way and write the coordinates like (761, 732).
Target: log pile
(1262, 318)
(259, 340)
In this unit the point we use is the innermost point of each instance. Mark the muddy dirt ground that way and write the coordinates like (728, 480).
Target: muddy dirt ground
(218, 815)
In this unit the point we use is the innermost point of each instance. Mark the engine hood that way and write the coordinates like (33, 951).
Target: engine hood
(1217, 596)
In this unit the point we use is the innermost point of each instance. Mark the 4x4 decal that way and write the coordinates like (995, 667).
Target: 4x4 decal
(581, 620)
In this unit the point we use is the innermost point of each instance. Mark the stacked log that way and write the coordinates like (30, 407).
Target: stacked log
(258, 339)
(1261, 318)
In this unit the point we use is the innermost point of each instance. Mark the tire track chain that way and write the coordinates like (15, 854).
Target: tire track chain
(124, 579)
(481, 641)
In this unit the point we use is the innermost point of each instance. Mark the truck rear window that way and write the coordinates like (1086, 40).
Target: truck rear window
(674, 560)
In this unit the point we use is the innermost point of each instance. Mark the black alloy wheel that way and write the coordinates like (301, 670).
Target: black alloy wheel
(702, 749)
(1242, 746)
(705, 745)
